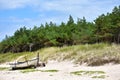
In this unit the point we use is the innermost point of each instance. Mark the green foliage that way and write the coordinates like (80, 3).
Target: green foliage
(108, 27)
(105, 28)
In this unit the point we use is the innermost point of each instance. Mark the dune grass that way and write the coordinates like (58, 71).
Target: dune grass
(34, 70)
(28, 70)
(91, 54)
(92, 74)
(53, 70)
(101, 77)
(7, 57)
(87, 72)
(3, 69)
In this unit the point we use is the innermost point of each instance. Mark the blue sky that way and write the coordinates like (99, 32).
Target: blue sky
(18, 13)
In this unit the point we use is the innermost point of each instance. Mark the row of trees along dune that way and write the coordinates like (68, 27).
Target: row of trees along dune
(105, 28)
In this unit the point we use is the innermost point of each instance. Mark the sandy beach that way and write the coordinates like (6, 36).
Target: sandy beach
(112, 72)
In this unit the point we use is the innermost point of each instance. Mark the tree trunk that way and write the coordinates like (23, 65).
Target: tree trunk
(118, 38)
(37, 58)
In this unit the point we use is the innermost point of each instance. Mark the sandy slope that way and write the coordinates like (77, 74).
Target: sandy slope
(112, 72)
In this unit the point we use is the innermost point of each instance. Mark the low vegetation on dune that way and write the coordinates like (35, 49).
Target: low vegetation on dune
(91, 54)
(34, 70)
(13, 56)
(92, 74)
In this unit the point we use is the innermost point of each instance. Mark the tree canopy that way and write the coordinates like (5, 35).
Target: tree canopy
(105, 28)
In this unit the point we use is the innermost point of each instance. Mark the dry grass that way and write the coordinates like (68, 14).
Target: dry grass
(7, 57)
(101, 56)
(92, 55)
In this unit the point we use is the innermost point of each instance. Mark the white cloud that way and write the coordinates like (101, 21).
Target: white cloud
(13, 4)
(79, 8)
(59, 5)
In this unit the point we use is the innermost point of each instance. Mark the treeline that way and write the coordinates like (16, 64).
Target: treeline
(106, 28)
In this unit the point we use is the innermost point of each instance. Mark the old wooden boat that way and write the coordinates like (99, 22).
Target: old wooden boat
(22, 62)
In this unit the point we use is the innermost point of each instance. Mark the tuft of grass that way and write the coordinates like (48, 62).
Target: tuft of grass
(49, 70)
(87, 72)
(77, 73)
(50, 75)
(34, 70)
(94, 74)
(3, 69)
(101, 76)
(28, 70)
